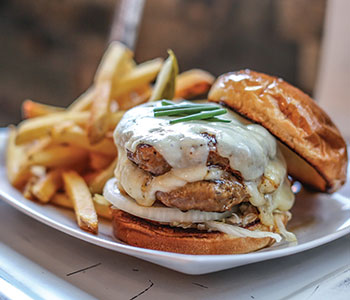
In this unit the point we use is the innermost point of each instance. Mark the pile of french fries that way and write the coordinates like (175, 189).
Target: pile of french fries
(64, 156)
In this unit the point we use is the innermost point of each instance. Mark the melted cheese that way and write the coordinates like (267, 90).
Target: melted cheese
(250, 148)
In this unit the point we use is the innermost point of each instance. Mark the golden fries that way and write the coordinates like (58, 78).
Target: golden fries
(115, 63)
(101, 207)
(112, 67)
(47, 186)
(31, 129)
(76, 136)
(97, 182)
(18, 171)
(83, 102)
(193, 83)
(27, 190)
(100, 111)
(141, 75)
(72, 149)
(58, 156)
(31, 109)
(79, 194)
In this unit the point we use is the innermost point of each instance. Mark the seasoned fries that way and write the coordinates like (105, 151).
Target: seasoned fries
(31, 109)
(64, 156)
(78, 192)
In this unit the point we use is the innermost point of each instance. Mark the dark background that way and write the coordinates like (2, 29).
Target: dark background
(49, 50)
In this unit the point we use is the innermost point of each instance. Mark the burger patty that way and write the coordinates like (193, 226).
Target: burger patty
(207, 195)
(214, 196)
(150, 160)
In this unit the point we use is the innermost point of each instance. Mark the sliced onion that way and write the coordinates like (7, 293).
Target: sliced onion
(241, 232)
(159, 214)
(289, 236)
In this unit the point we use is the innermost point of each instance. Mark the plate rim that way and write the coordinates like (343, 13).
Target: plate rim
(19, 202)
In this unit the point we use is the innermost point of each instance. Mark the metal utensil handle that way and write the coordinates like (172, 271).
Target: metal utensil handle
(126, 21)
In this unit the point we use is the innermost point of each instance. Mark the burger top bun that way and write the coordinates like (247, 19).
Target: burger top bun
(312, 145)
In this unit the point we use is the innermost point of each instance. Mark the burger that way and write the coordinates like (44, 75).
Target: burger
(191, 181)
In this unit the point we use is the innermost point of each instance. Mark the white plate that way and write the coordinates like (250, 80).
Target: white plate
(317, 219)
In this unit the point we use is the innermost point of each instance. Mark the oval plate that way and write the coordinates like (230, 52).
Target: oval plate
(317, 220)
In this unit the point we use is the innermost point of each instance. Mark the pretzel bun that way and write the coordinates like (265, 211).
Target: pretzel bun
(315, 151)
(151, 235)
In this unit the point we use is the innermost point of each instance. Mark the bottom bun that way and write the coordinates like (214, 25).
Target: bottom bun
(146, 234)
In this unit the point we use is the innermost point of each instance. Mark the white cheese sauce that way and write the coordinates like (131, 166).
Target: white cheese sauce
(250, 148)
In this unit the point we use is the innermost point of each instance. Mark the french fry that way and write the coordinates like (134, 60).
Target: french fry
(31, 109)
(102, 208)
(27, 190)
(58, 156)
(47, 186)
(193, 83)
(115, 62)
(38, 145)
(141, 75)
(83, 102)
(100, 111)
(61, 199)
(112, 67)
(136, 97)
(99, 161)
(78, 192)
(31, 129)
(76, 136)
(18, 171)
(97, 183)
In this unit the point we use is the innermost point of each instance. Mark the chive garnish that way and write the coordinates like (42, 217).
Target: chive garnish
(190, 111)
(184, 106)
(200, 116)
(184, 111)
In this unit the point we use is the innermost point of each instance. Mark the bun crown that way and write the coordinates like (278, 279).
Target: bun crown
(316, 152)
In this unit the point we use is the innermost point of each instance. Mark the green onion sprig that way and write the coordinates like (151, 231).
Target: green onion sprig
(190, 111)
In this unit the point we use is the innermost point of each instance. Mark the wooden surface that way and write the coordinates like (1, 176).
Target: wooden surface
(47, 253)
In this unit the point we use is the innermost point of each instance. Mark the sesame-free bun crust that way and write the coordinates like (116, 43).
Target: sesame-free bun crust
(314, 148)
(146, 234)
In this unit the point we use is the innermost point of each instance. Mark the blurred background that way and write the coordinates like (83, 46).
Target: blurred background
(50, 49)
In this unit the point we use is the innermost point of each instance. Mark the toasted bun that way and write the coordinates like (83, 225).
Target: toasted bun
(145, 234)
(319, 156)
